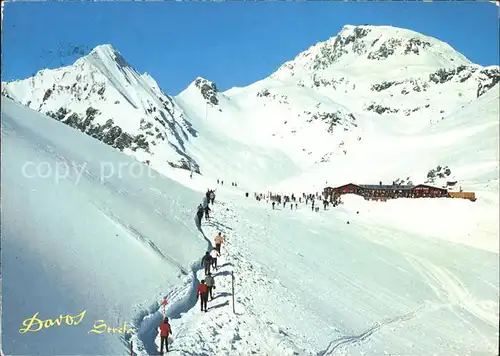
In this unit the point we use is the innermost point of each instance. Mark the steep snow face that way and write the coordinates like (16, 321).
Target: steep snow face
(103, 96)
(85, 228)
(227, 146)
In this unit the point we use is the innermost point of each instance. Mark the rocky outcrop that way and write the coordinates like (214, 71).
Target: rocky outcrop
(437, 173)
(109, 133)
(208, 90)
(379, 109)
(333, 119)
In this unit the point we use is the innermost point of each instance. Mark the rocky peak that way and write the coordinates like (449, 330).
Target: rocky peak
(208, 90)
(104, 97)
(372, 45)
(106, 52)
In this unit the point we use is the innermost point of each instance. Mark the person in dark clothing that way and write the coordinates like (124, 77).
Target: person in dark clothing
(296, 206)
(206, 262)
(203, 293)
(273, 204)
(200, 213)
(209, 281)
(207, 211)
(165, 330)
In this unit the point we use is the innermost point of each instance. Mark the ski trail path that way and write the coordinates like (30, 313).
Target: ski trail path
(180, 300)
(220, 331)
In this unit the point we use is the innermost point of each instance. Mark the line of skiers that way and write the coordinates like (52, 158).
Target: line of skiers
(208, 284)
(205, 288)
(203, 208)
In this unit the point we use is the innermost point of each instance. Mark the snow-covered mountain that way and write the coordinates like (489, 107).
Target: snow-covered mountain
(337, 100)
(86, 227)
(103, 96)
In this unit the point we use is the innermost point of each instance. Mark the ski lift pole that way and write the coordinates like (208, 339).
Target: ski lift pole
(232, 287)
(164, 304)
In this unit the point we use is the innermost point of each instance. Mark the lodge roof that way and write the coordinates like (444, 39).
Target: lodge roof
(387, 187)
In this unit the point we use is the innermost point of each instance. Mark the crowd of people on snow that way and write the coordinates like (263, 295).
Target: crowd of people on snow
(293, 201)
(208, 262)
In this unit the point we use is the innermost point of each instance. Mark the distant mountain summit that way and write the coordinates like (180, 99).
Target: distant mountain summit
(373, 47)
(102, 95)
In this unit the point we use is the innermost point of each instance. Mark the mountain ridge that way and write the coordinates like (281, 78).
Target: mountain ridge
(346, 86)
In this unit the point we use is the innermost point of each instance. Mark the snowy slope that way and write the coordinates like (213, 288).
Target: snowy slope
(309, 284)
(85, 227)
(413, 277)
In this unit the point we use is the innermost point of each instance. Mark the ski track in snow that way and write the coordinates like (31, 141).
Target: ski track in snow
(452, 291)
(349, 340)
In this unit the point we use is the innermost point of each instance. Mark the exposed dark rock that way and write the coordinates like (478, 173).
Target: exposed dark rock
(385, 50)
(379, 109)
(61, 114)
(263, 93)
(47, 95)
(333, 119)
(208, 90)
(438, 172)
(383, 86)
(140, 141)
(4, 93)
(413, 45)
(123, 141)
(442, 76)
(490, 77)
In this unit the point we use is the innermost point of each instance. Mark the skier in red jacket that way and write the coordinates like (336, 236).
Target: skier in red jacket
(203, 292)
(165, 330)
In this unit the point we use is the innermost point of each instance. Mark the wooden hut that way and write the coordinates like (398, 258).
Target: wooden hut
(463, 195)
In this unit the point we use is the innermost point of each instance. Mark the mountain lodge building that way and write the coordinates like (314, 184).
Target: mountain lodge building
(394, 191)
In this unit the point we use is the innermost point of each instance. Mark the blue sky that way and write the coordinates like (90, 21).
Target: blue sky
(230, 43)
